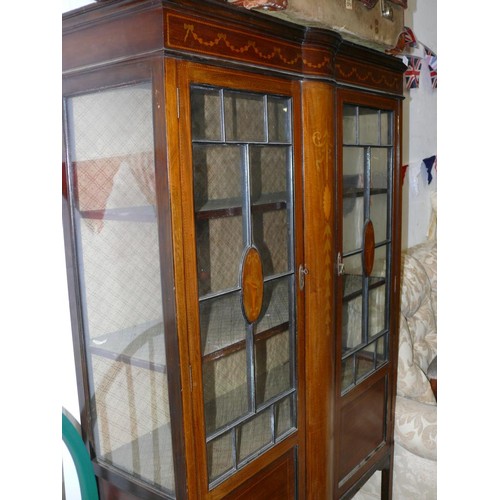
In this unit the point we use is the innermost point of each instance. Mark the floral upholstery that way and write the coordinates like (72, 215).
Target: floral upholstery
(415, 432)
(417, 332)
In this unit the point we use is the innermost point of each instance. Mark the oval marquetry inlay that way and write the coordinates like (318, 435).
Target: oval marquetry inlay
(252, 285)
(368, 248)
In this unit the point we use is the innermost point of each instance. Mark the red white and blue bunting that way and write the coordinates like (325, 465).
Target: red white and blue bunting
(427, 167)
(405, 49)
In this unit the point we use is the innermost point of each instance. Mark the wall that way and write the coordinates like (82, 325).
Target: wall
(420, 129)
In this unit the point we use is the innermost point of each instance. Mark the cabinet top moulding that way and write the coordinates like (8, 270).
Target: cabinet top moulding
(114, 31)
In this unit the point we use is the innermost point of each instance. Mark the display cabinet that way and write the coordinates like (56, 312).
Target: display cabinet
(231, 209)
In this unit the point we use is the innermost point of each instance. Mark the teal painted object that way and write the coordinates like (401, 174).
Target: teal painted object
(81, 459)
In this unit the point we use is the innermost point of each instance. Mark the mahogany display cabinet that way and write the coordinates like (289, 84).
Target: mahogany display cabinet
(231, 209)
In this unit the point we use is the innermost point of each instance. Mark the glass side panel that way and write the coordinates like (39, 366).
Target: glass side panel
(367, 197)
(244, 201)
(113, 191)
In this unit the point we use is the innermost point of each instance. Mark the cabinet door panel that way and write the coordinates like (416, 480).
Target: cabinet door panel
(368, 152)
(243, 213)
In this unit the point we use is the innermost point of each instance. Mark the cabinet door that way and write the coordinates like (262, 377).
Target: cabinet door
(116, 259)
(240, 214)
(368, 150)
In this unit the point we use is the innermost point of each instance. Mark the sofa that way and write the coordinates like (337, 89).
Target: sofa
(415, 434)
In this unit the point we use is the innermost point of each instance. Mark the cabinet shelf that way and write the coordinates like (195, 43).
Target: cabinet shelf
(141, 346)
(240, 345)
(126, 214)
(353, 285)
(359, 192)
(231, 207)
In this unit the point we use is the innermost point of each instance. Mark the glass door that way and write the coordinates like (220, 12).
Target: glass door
(364, 262)
(244, 313)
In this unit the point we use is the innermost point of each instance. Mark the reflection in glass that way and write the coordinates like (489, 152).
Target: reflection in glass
(349, 129)
(386, 128)
(217, 267)
(278, 119)
(275, 305)
(347, 378)
(220, 456)
(221, 322)
(379, 165)
(369, 132)
(352, 327)
(364, 362)
(376, 311)
(254, 435)
(225, 390)
(284, 419)
(379, 215)
(272, 366)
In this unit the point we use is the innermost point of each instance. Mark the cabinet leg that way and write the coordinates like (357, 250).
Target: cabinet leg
(386, 482)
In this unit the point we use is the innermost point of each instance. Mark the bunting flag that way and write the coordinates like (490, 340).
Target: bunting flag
(406, 39)
(412, 73)
(414, 169)
(429, 163)
(409, 37)
(431, 59)
(404, 168)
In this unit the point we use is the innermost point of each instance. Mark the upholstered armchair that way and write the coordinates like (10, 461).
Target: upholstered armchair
(415, 449)
(416, 408)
